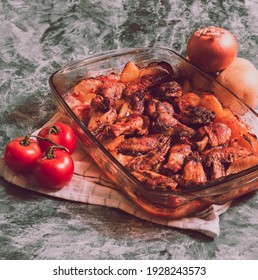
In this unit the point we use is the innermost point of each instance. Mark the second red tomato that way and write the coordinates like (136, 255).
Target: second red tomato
(54, 169)
(61, 134)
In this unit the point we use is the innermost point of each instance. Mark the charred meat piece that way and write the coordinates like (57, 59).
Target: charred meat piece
(140, 145)
(194, 116)
(134, 105)
(216, 159)
(108, 94)
(155, 180)
(98, 121)
(152, 160)
(177, 155)
(137, 103)
(168, 91)
(130, 125)
(112, 144)
(146, 83)
(163, 120)
(155, 107)
(99, 103)
(217, 133)
(193, 171)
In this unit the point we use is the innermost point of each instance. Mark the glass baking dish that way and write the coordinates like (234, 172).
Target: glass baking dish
(167, 204)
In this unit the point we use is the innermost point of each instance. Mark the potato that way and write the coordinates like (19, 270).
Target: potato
(247, 141)
(242, 164)
(241, 77)
(87, 98)
(86, 86)
(231, 121)
(210, 102)
(192, 98)
(130, 72)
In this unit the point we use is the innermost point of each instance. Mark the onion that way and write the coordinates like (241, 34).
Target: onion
(212, 49)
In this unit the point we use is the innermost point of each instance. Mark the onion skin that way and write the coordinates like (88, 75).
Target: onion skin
(212, 49)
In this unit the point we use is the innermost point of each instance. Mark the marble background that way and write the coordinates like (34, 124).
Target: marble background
(37, 38)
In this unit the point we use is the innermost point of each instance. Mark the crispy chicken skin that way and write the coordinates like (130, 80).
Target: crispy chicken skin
(98, 121)
(218, 133)
(153, 159)
(163, 120)
(155, 180)
(132, 125)
(108, 94)
(140, 145)
(193, 171)
(168, 91)
(145, 83)
(216, 158)
(176, 157)
(194, 116)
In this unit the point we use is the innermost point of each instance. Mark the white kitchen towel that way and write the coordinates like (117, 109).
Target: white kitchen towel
(90, 185)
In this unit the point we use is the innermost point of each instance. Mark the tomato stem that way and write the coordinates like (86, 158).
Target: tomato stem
(44, 138)
(52, 130)
(26, 141)
(50, 151)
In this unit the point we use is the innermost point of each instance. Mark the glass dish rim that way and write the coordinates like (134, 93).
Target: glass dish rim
(194, 190)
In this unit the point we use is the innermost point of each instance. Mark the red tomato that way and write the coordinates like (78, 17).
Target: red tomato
(21, 153)
(54, 168)
(59, 133)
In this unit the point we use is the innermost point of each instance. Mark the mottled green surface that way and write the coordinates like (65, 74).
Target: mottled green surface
(38, 37)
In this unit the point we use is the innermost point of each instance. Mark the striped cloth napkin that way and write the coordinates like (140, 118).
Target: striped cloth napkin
(90, 185)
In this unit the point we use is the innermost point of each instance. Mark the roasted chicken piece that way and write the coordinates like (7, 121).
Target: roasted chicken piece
(131, 125)
(176, 158)
(134, 105)
(108, 94)
(112, 144)
(152, 160)
(99, 120)
(163, 121)
(168, 91)
(140, 145)
(137, 102)
(216, 158)
(194, 116)
(193, 171)
(145, 83)
(215, 134)
(155, 180)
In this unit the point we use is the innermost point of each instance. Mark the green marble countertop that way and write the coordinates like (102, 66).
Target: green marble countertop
(37, 38)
